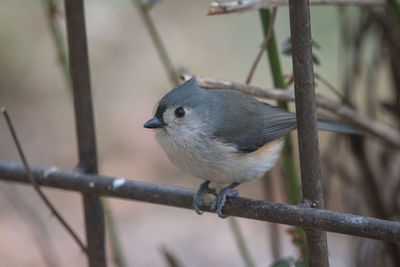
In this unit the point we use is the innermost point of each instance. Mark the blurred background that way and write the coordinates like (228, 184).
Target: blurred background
(127, 81)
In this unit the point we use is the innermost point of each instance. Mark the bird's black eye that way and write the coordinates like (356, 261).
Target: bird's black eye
(179, 112)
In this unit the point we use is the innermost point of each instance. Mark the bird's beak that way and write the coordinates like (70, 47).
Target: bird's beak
(154, 123)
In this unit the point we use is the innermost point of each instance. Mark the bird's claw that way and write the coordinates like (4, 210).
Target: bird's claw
(198, 201)
(219, 202)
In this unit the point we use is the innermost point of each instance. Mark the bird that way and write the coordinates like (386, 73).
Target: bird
(223, 136)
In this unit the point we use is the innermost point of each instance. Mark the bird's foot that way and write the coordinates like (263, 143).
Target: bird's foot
(198, 199)
(220, 200)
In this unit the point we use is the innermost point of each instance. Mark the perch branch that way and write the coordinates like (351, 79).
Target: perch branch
(323, 220)
(218, 8)
(366, 124)
(32, 180)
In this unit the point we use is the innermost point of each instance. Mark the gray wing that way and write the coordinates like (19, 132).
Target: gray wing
(246, 122)
(326, 125)
(277, 122)
(249, 124)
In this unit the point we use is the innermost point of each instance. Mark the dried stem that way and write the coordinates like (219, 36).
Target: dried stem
(162, 51)
(368, 125)
(273, 230)
(291, 181)
(328, 85)
(290, 177)
(36, 186)
(237, 233)
(218, 8)
(170, 259)
(264, 46)
(117, 254)
(56, 33)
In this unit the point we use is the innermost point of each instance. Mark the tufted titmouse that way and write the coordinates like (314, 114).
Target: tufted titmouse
(222, 136)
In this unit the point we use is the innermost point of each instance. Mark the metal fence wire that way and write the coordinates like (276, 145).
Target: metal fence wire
(310, 215)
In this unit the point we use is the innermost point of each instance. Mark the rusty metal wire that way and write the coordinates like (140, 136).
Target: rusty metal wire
(310, 168)
(323, 220)
(80, 78)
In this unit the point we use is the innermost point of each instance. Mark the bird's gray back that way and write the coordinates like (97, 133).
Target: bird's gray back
(245, 122)
(232, 117)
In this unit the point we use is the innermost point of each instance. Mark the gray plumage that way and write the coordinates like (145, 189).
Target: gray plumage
(222, 136)
(238, 119)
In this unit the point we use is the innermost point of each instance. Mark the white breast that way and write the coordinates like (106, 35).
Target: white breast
(215, 161)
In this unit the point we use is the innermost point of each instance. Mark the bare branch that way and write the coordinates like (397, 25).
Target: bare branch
(32, 180)
(375, 128)
(85, 130)
(34, 221)
(218, 8)
(323, 220)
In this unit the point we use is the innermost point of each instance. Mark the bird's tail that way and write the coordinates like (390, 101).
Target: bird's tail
(326, 125)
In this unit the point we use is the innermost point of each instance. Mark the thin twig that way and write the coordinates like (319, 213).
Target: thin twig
(264, 46)
(36, 186)
(118, 256)
(237, 233)
(368, 125)
(323, 220)
(56, 33)
(272, 228)
(218, 8)
(374, 199)
(170, 258)
(162, 51)
(35, 222)
(328, 85)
